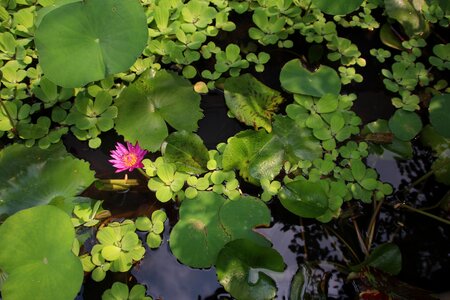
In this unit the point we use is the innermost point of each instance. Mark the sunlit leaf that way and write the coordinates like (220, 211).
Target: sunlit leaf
(337, 7)
(36, 253)
(209, 221)
(146, 105)
(88, 40)
(251, 102)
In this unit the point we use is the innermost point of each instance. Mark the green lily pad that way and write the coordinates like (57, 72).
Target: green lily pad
(337, 7)
(297, 79)
(209, 221)
(405, 125)
(439, 113)
(37, 254)
(187, 151)
(146, 105)
(261, 155)
(251, 102)
(236, 263)
(88, 40)
(39, 176)
(304, 198)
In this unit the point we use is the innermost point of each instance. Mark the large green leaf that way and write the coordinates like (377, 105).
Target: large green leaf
(238, 260)
(209, 221)
(439, 113)
(36, 253)
(146, 105)
(261, 155)
(251, 102)
(441, 148)
(88, 40)
(404, 12)
(304, 198)
(187, 151)
(297, 79)
(39, 176)
(337, 7)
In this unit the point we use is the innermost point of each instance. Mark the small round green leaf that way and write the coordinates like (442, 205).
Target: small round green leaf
(405, 125)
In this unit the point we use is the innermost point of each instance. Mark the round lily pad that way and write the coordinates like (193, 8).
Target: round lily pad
(209, 221)
(36, 253)
(337, 7)
(297, 79)
(439, 113)
(405, 125)
(88, 40)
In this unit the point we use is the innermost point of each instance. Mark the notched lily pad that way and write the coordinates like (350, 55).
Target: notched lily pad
(37, 254)
(146, 105)
(236, 264)
(295, 78)
(88, 40)
(251, 102)
(209, 221)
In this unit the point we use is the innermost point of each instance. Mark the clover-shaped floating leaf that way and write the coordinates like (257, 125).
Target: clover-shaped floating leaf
(209, 221)
(439, 112)
(36, 254)
(187, 151)
(120, 291)
(297, 79)
(150, 102)
(251, 102)
(337, 7)
(236, 263)
(88, 40)
(260, 155)
(39, 176)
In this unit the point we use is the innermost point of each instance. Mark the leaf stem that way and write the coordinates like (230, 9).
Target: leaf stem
(422, 178)
(403, 205)
(143, 173)
(371, 228)
(344, 242)
(360, 238)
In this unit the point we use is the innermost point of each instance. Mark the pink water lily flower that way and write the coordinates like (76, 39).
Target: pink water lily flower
(127, 158)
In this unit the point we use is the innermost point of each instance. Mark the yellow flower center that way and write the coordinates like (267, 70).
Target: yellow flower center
(129, 159)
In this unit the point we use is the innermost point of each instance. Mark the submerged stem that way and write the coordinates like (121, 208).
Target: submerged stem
(344, 242)
(371, 228)
(305, 249)
(360, 238)
(402, 205)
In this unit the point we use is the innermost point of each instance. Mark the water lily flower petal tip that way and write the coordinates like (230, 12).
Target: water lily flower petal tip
(127, 157)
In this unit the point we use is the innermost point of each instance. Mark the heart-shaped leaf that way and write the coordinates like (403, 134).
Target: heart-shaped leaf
(88, 40)
(36, 253)
(404, 12)
(187, 151)
(251, 102)
(439, 112)
(337, 7)
(146, 105)
(39, 176)
(236, 263)
(297, 79)
(209, 221)
(304, 198)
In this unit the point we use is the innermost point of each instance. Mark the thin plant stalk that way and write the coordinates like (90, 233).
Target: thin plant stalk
(402, 205)
(344, 242)
(360, 238)
(305, 249)
(371, 228)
